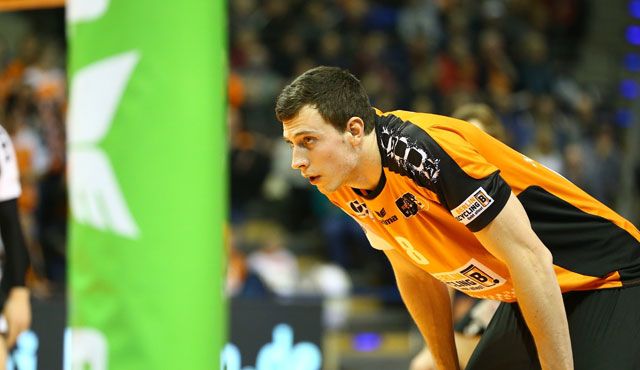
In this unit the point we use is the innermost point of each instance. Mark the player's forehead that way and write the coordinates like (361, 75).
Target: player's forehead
(308, 121)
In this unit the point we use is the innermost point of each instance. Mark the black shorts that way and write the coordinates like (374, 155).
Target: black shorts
(604, 326)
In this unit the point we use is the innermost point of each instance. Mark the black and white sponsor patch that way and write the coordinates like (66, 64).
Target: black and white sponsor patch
(360, 208)
(409, 205)
(472, 207)
(410, 157)
(471, 277)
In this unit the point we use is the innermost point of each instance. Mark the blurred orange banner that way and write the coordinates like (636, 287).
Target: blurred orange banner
(9, 5)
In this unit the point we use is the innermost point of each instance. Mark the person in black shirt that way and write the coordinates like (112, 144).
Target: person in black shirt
(14, 295)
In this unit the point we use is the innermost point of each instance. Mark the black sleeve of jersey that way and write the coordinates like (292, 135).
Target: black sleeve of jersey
(496, 188)
(17, 258)
(474, 202)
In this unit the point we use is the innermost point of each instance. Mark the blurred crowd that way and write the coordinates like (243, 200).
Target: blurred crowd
(515, 56)
(435, 56)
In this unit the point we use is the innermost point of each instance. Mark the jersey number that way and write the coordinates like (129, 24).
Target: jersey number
(416, 256)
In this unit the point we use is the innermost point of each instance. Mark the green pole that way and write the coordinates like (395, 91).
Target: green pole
(147, 182)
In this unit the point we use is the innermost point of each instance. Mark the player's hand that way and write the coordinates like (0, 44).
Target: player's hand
(423, 361)
(17, 311)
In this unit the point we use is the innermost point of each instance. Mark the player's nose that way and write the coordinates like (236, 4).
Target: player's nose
(298, 160)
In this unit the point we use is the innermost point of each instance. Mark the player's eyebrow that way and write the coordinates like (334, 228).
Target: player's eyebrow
(301, 133)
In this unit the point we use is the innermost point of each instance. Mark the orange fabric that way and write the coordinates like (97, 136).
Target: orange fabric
(12, 5)
(28, 198)
(236, 90)
(10, 78)
(572, 281)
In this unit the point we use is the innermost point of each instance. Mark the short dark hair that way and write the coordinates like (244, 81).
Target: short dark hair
(334, 92)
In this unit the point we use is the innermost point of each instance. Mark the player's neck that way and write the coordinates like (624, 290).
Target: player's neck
(367, 174)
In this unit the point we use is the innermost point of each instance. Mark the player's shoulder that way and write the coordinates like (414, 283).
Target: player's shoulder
(9, 176)
(5, 144)
(429, 122)
(3, 132)
(423, 129)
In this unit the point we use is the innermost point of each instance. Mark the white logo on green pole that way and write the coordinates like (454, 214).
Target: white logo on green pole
(85, 347)
(96, 197)
(86, 10)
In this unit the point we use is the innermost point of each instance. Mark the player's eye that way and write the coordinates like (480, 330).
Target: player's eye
(308, 140)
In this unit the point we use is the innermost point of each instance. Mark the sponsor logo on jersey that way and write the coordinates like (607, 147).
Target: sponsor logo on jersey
(471, 277)
(409, 205)
(473, 206)
(381, 214)
(389, 220)
(359, 208)
(410, 156)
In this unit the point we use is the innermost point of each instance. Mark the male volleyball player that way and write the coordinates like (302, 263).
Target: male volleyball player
(451, 206)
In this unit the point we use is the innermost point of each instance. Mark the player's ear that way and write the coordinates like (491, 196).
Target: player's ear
(355, 128)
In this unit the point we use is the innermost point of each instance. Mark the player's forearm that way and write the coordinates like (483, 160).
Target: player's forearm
(541, 303)
(511, 239)
(429, 304)
(436, 324)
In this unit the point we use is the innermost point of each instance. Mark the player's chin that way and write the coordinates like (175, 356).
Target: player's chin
(327, 188)
(321, 187)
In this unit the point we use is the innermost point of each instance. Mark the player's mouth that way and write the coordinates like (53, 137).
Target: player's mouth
(314, 179)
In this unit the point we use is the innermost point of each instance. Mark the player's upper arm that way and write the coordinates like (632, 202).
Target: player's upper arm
(509, 235)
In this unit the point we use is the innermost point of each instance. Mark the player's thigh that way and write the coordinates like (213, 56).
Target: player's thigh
(605, 328)
(507, 343)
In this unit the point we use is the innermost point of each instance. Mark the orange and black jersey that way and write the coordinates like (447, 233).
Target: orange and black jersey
(442, 179)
